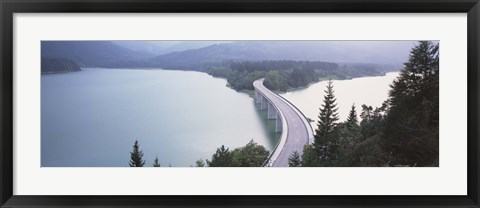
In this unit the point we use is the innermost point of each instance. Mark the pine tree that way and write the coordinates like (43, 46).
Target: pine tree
(324, 141)
(309, 157)
(352, 120)
(156, 163)
(221, 158)
(413, 116)
(136, 156)
(348, 134)
(294, 159)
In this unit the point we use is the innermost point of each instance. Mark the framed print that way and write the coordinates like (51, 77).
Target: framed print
(249, 104)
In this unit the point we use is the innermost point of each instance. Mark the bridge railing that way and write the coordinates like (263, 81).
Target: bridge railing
(304, 119)
(283, 138)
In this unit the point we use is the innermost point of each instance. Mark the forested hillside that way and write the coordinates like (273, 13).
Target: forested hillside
(90, 53)
(57, 65)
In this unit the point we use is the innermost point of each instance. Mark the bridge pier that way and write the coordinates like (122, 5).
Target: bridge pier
(264, 104)
(271, 112)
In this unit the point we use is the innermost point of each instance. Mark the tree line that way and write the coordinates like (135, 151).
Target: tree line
(282, 75)
(401, 132)
(250, 155)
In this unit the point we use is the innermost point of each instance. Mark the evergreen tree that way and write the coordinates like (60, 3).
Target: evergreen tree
(411, 132)
(156, 163)
(348, 136)
(309, 157)
(221, 158)
(352, 120)
(200, 163)
(136, 156)
(325, 142)
(366, 125)
(294, 159)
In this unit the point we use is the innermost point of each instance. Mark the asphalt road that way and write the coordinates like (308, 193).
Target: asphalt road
(297, 135)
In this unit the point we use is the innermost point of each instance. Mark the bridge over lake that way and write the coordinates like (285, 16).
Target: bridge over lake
(295, 128)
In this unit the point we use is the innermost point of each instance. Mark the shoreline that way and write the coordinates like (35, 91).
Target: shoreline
(246, 91)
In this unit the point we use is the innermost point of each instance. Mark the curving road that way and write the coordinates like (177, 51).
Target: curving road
(298, 130)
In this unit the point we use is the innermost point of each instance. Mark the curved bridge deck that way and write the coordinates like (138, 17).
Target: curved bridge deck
(296, 130)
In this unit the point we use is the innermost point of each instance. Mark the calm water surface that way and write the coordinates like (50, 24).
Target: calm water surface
(366, 90)
(92, 118)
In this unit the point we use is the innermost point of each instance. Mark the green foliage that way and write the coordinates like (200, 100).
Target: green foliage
(156, 163)
(222, 158)
(411, 132)
(282, 75)
(251, 155)
(367, 113)
(367, 153)
(294, 159)
(199, 163)
(325, 143)
(352, 120)
(348, 71)
(367, 127)
(403, 132)
(136, 156)
(372, 120)
(238, 80)
(281, 65)
(221, 71)
(302, 77)
(275, 81)
(310, 157)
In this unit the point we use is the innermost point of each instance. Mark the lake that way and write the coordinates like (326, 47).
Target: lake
(371, 91)
(91, 118)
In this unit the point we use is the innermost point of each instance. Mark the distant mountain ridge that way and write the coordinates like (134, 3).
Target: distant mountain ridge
(120, 54)
(90, 53)
(164, 47)
(393, 53)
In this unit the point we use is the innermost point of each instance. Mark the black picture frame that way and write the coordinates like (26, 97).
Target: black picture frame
(9, 7)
